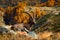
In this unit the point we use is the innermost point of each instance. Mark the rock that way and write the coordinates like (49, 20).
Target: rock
(3, 30)
(17, 27)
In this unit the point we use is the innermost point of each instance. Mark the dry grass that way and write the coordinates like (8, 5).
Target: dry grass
(14, 37)
(41, 36)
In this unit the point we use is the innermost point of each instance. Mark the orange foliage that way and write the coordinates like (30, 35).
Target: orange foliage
(2, 9)
(37, 13)
(9, 10)
(43, 13)
(23, 17)
(22, 4)
(19, 10)
(51, 2)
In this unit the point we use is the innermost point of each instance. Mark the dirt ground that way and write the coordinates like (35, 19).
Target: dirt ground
(41, 36)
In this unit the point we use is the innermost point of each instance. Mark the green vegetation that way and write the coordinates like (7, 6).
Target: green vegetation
(53, 25)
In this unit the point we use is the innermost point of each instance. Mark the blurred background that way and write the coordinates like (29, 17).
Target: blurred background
(5, 3)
